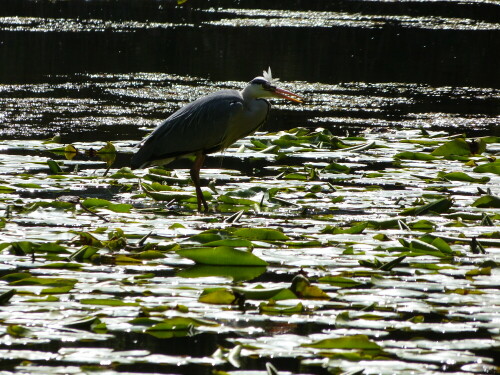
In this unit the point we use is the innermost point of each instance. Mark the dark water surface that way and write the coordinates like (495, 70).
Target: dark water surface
(72, 67)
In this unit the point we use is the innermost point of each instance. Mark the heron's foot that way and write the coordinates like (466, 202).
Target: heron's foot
(201, 200)
(205, 206)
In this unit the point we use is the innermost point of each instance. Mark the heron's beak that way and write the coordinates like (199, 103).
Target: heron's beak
(288, 95)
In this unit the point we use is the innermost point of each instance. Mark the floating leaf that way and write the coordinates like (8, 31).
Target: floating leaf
(442, 245)
(45, 281)
(124, 172)
(423, 225)
(222, 256)
(393, 263)
(235, 201)
(438, 206)
(6, 296)
(57, 290)
(456, 146)
(55, 139)
(15, 276)
(409, 155)
(51, 247)
(109, 148)
(85, 323)
(17, 331)
(84, 253)
(347, 342)
(487, 201)
(260, 293)
(337, 168)
(150, 254)
(6, 189)
(295, 176)
(29, 186)
(355, 229)
(461, 176)
(232, 242)
(57, 205)
(236, 273)
(180, 323)
(175, 327)
(486, 271)
(208, 236)
(86, 238)
(103, 203)
(219, 296)
(302, 287)
(261, 234)
(144, 321)
(70, 149)
(272, 308)
(284, 294)
(54, 166)
(63, 266)
(488, 168)
(106, 302)
(312, 292)
(339, 281)
(70, 152)
(124, 260)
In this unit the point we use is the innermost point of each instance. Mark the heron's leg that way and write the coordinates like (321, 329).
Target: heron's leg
(195, 176)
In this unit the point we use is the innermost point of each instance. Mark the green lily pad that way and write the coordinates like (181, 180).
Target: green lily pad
(461, 176)
(103, 203)
(487, 201)
(106, 302)
(6, 296)
(236, 273)
(222, 256)
(218, 296)
(180, 323)
(272, 308)
(488, 168)
(339, 281)
(438, 206)
(458, 146)
(409, 155)
(347, 342)
(261, 234)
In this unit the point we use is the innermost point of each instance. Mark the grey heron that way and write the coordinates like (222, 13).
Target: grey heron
(210, 124)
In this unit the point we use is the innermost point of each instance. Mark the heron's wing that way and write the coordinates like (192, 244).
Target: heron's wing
(199, 126)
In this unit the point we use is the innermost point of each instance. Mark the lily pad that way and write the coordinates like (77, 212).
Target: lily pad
(222, 256)
(347, 342)
(103, 203)
(261, 234)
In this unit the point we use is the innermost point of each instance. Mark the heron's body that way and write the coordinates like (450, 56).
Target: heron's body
(209, 124)
(218, 120)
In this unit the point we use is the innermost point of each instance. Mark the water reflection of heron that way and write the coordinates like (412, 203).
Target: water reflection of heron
(210, 124)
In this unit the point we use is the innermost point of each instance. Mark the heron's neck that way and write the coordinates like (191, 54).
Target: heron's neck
(248, 94)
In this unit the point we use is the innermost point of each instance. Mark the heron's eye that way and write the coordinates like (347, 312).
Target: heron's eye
(266, 86)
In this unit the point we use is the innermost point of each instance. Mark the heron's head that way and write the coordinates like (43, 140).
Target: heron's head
(260, 87)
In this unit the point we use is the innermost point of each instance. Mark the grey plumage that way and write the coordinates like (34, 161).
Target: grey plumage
(217, 121)
(210, 124)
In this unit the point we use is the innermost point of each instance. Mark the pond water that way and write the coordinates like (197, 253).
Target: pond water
(381, 189)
